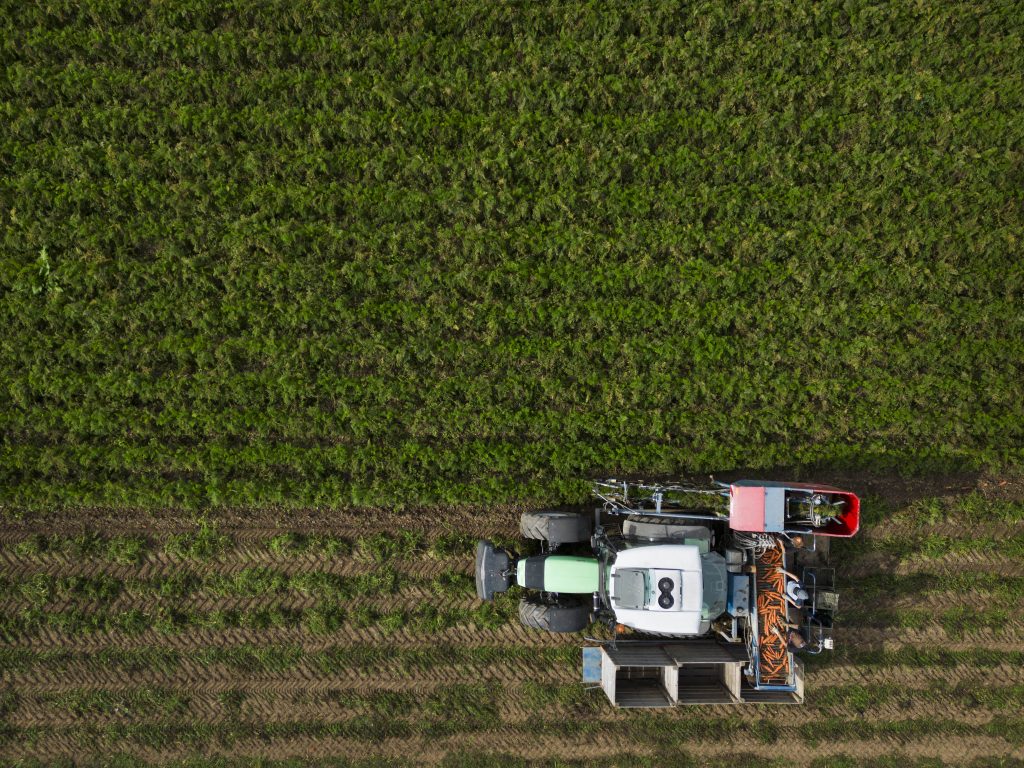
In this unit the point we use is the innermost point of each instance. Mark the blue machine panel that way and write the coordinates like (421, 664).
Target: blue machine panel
(738, 601)
(774, 509)
(591, 665)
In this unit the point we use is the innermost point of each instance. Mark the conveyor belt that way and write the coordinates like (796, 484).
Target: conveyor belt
(774, 659)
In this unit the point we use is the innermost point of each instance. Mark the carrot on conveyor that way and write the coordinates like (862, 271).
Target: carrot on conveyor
(773, 619)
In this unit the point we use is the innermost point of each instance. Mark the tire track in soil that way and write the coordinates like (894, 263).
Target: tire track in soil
(228, 564)
(398, 749)
(305, 680)
(1010, 638)
(205, 705)
(190, 674)
(262, 524)
(910, 528)
(976, 562)
(40, 708)
(405, 599)
(405, 638)
(542, 746)
(911, 678)
(937, 600)
(310, 678)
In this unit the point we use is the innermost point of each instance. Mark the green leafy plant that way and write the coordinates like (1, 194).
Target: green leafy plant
(204, 543)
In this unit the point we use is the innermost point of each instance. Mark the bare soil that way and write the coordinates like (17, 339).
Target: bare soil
(39, 689)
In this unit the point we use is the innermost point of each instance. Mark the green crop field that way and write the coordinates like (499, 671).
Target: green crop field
(299, 298)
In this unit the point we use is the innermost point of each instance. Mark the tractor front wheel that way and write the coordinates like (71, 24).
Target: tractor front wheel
(561, 615)
(556, 527)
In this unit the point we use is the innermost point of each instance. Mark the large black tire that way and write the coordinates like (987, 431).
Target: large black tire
(556, 527)
(563, 615)
(662, 530)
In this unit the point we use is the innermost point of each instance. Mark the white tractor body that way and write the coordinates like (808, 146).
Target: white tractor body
(659, 589)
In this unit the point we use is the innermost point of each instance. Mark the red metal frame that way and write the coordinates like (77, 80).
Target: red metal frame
(747, 507)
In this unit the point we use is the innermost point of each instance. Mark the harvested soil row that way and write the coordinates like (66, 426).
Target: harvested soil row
(263, 523)
(509, 634)
(190, 674)
(39, 707)
(980, 562)
(531, 745)
(937, 600)
(951, 527)
(407, 598)
(216, 678)
(301, 677)
(1010, 638)
(231, 562)
(912, 677)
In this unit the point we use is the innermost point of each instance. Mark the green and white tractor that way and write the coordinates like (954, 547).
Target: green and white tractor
(725, 561)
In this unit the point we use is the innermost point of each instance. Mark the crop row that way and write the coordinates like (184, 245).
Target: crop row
(968, 510)
(250, 370)
(236, 248)
(631, 39)
(417, 472)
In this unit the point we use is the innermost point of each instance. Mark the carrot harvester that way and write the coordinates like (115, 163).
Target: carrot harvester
(711, 593)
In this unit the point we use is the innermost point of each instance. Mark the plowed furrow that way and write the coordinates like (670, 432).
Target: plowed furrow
(230, 564)
(951, 527)
(536, 746)
(195, 638)
(1009, 638)
(980, 562)
(914, 677)
(407, 599)
(261, 524)
(302, 677)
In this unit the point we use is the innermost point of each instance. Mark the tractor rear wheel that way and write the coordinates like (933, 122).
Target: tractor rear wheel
(556, 527)
(659, 529)
(561, 615)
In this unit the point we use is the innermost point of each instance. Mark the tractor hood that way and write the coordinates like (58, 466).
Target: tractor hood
(563, 574)
(659, 589)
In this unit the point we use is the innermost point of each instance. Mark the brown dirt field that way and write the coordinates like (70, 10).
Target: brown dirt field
(981, 562)
(526, 743)
(510, 635)
(306, 691)
(260, 524)
(283, 699)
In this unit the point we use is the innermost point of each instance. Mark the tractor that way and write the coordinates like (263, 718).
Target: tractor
(739, 566)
